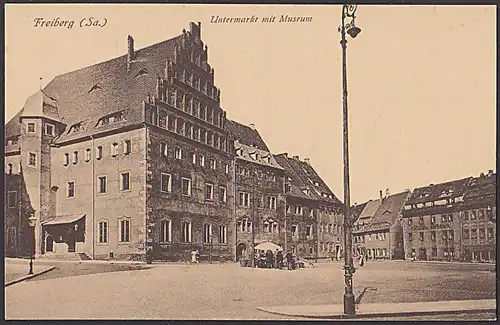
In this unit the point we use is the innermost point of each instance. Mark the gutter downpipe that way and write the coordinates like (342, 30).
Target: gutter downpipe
(93, 197)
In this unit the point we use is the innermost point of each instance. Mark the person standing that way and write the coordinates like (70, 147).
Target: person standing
(288, 257)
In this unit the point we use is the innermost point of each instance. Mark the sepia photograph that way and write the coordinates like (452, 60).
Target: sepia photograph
(250, 162)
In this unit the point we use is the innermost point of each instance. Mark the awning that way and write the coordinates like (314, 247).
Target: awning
(59, 220)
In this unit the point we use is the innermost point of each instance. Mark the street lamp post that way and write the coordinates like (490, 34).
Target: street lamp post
(348, 11)
(32, 224)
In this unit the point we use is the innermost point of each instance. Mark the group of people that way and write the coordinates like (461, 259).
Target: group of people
(276, 260)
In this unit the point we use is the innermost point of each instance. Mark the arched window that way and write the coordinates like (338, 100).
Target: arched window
(165, 230)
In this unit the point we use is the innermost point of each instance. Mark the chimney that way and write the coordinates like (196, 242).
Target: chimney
(381, 195)
(307, 161)
(130, 54)
(490, 172)
(386, 192)
(252, 126)
(296, 157)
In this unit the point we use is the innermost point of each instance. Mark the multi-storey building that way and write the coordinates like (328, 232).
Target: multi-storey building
(382, 237)
(136, 154)
(431, 221)
(130, 153)
(478, 218)
(313, 212)
(260, 200)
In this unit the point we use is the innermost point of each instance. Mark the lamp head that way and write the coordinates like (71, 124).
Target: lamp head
(353, 30)
(32, 220)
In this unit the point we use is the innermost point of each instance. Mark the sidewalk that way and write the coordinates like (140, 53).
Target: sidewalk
(385, 309)
(17, 271)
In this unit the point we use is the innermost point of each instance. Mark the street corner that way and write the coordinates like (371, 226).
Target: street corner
(15, 273)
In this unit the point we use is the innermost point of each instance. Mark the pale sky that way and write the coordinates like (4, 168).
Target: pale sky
(421, 80)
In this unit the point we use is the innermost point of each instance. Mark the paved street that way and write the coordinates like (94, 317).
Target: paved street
(230, 292)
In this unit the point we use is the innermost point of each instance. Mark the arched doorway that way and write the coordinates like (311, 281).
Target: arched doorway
(49, 244)
(240, 250)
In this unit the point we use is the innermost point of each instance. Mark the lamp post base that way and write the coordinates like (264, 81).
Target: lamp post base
(31, 267)
(349, 304)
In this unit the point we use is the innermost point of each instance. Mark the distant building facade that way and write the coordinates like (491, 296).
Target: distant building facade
(478, 219)
(382, 237)
(431, 221)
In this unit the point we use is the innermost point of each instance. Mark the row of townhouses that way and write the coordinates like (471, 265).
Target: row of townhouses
(136, 154)
(455, 220)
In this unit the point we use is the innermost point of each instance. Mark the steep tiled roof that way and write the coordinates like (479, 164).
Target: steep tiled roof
(388, 212)
(297, 185)
(356, 211)
(41, 105)
(481, 187)
(255, 155)
(368, 212)
(309, 176)
(246, 135)
(105, 88)
(13, 127)
(442, 191)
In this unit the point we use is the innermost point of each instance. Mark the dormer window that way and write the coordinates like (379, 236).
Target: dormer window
(306, 191)
(110, 119)
(316, 183)
(75, 127)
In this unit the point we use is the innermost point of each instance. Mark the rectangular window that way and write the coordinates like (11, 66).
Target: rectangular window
(309, 230)
(443, 218)
(410, 221)
(70, 189)
(125, 231)
(166, 183)
(114, 149)
(207, 234)
(66, 159)
(31, 128)
(480, 214)
(271, 202)
(165, 230)
(223, 234)
(88, 155)
(101, 184)
(178, 153)
(299, 210)
(222, 194)
(490, 233)
(421, 220)
(482, 233)
(186, 231)
(125, 181)
(202, 160)
(226, 168)
(127, 147)
(75, 157)
(186, 186)
(193, 158)
(212, 164)
(433, 220)
(31, 159)
(450, 217)
(98, 152)
(450, 235)
(473, 233)
(473, 215)
(466, 234)
(103, 232)
(433, 235)
(295, 230)
(209, 192)
(466, 215)
(410, 237)
(49, 129)
(163, 149)
(421, 236)
(12, 199)
(244, 199)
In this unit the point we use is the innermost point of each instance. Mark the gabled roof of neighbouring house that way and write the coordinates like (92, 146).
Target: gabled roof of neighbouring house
(246, 135)
(312, 180)
(388, 211)
(255, 155)
(368, 212)
(356, 210)
(437, 192)
(297, 185)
